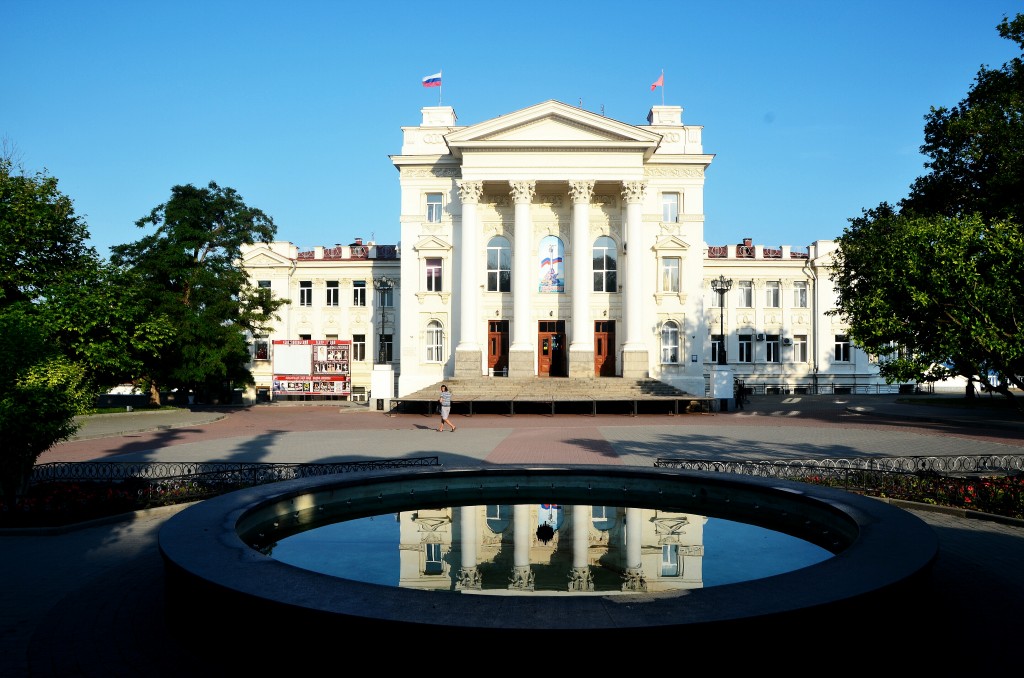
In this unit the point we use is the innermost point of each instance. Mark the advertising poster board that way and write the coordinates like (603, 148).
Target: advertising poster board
(312, 367)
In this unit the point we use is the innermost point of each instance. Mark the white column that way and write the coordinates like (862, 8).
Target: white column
(469, 256)
(523, 258)
(633, 576)
(582, 267)
(633, 193)
(469, 576)
(522, 576)
(580, 578)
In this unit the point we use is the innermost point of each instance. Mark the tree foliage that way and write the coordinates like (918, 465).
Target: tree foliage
(931, 286)
(42, 393)
(189, 270)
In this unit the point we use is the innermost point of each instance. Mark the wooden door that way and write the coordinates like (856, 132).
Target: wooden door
(604, 348)
(551, 353)
(497, 346)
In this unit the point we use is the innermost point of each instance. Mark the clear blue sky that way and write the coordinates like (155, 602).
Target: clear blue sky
(814, 109)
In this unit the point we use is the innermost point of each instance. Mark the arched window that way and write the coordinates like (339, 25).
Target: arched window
(499, 265)
(499, 516)
(605, 264)
(670, 342)
(435, 342)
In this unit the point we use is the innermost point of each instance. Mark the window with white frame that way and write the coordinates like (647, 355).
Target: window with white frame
(332, 293)
(435, 342)
(359, 293)
(432, 558)
(359, 347)
(386, 297)
(499, 265)
(433, 271)
(670, 560)
(800, 294)
(263, 284)
(842, 348)
(670, 342)
(602, 517)
(800, 348)
(746, 291)
(773, 348)
(305, 293)
(716, 346)
(499, 517)
(670, 274)
(746, 346)
(670, 207)
(605, 264)
(434, 208)
(772, 294)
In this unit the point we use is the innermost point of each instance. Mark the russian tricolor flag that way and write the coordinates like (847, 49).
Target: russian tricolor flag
(432, 80)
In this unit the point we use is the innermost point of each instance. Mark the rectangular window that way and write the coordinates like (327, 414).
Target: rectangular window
(305, 293)
(433, 282)
(263, 284)
(716, 346)
(359, 293)
(746, 349)
(773, 294)
(746, 299)
(386, 297)
(670, 274)
(434, 208)
(432, 558)
(306, 337)
(800, 348)
(800, 294)
(359, 347)
(385, 347)
(670, 560)
(261, 348)
(435, 342)
(332, 292)
(772, 349)
(842, 348)
(670, 207)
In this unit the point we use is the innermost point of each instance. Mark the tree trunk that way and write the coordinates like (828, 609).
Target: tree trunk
(154, 394)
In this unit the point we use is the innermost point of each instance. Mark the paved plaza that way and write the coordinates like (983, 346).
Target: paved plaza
(88, 601)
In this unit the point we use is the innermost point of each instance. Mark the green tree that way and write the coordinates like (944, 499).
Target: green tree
(930, 286)
(41, 237)
(42, 393)
(190, 271)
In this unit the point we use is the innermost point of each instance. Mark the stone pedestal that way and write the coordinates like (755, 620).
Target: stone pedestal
(521, 363)
(634, 364)
(581, 363)
(468, 363)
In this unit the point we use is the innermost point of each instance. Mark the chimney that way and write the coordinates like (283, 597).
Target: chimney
(748, 242)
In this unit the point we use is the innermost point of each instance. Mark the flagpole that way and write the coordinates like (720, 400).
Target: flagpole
(440, 87)
(663, 87)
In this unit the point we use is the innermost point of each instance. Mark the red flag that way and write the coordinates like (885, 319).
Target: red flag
(660, 82)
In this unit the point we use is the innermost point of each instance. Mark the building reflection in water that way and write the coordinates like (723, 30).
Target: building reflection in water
(549, 547)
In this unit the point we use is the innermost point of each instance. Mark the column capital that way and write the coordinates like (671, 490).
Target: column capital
(634, 191)
(581, 191)
(470, 191)
(523, 191)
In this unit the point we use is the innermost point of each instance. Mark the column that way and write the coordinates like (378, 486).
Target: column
(524, 335)
(580, 577)
(581, 343)
(468, 355)
(469, 576)
(633, 576)
(634, 349)
(522, 577)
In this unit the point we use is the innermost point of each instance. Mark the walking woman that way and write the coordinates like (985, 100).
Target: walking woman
(446, 407)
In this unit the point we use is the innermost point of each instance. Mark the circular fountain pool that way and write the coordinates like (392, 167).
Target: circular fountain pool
(218, 578)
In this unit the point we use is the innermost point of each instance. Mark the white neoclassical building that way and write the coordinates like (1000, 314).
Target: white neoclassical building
(556, 242)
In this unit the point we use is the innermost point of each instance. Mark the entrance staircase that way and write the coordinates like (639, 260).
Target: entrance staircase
(548, 394)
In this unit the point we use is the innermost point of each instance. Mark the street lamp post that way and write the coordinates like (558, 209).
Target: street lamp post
(721, 284)
(381, 285)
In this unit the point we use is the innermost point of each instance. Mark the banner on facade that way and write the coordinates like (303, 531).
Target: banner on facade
(312, 367)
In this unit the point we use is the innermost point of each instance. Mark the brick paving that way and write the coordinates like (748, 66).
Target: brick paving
(89, 601)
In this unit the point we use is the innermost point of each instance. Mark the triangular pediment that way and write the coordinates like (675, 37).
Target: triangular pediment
(552, 124)
(671, 243)
(431, 243)
(264, 258)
